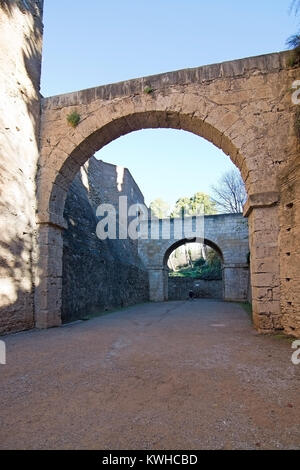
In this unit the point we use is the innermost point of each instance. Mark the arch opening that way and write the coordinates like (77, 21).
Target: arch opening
(194, 270)
(90, 142)
(186, 241)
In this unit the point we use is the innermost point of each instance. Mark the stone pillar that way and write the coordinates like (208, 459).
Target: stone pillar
(158, 284)
(48, 279)
(263, 213)
(290, 249)
(235, 282)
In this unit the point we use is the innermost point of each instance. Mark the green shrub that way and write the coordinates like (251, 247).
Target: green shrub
(199, 262)
(73, 119)
(203, 270)
(148, 89)
(210, 272)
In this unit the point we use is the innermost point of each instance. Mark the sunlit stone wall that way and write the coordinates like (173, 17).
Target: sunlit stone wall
(20, 63)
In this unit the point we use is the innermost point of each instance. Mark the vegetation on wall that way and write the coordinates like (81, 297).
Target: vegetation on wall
(148, 89)
(73, 119)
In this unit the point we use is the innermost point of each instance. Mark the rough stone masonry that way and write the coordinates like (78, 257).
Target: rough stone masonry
(99, 275)
(244, 107)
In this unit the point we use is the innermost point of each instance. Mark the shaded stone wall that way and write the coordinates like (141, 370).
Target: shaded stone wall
(236, 282)
(178, 288)
(98, 274)
(20, 64)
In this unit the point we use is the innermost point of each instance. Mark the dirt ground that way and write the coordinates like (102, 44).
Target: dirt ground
(176, 375)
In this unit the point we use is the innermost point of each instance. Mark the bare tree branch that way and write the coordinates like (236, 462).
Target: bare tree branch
(230, 193)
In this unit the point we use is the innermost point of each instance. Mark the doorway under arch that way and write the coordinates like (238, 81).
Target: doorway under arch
(195, 267)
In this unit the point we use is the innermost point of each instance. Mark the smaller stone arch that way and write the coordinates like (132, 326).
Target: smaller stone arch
(226, 233)
(179, 243)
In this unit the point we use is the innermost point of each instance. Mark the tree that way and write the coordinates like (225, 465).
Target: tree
(295, 7)
(197, 204)
(293, 42)
(160, 208)
(230, 192)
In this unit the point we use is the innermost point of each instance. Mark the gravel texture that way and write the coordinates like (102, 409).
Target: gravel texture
(175, 375)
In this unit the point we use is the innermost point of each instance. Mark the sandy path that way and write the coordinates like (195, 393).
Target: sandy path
(176, 375)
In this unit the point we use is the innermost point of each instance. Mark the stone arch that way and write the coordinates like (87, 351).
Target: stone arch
(219, 103)
(226, 233)
(179, 243)
(68, 155)
(242, 106)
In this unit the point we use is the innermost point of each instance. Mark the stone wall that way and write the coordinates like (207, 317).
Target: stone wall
(290, 249)
(236, 282)
(99, 274)
(179, 287)
(243, 107)
(20, 63)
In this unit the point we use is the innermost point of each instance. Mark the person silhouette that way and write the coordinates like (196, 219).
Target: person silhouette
(191, 295)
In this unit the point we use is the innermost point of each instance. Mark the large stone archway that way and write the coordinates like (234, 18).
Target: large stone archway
(242, 107)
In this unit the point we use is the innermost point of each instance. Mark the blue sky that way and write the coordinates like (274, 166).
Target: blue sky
(97, 42)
